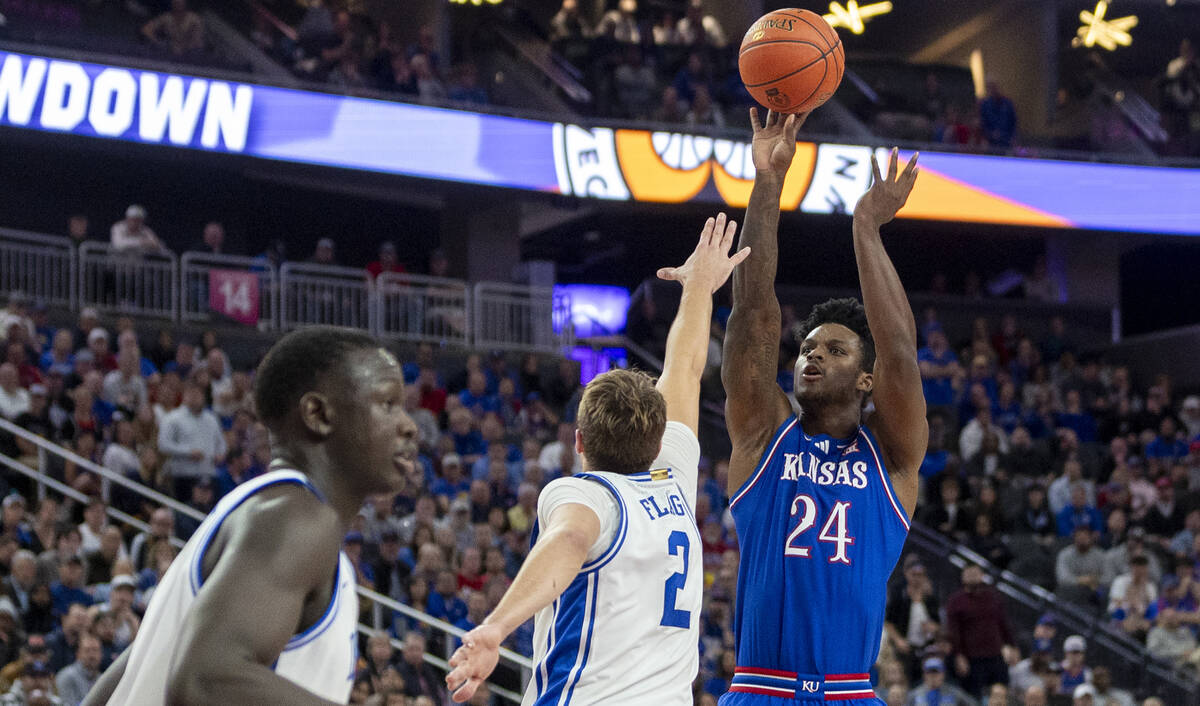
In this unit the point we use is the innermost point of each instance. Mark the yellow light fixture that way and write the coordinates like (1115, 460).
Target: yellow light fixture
(1107, 33)
(852, 15)
(476, 3)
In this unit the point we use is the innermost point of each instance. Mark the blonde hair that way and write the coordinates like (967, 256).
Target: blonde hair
(621, 421)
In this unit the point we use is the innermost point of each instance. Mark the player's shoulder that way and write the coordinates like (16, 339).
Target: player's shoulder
(285, 517)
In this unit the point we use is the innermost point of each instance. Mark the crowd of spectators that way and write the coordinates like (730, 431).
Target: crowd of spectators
(1064, 470)
(1052, 465)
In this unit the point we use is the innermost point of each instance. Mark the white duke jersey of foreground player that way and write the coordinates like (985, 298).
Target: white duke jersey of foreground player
(321, 659)
(627, 629)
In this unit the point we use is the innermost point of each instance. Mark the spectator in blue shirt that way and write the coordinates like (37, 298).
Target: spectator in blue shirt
(476, 398)
(1079, 514)
(1076, 418)
(1007, 413)
(452, 483)
(997, 118)
(444, 602)
(939, 370)
(1166, 445)
(69, 587)
(468, 442)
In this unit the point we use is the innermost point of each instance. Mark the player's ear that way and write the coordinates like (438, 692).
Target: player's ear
(316, 413)
(866, 382)
(578, 442)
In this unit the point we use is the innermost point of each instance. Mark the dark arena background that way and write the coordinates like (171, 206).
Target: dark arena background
(489, 186)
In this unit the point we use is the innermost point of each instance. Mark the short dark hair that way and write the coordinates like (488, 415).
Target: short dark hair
(298, 363)
(848, 312)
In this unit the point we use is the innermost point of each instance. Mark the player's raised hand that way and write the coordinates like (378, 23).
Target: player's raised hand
(710, 263)
(474, 661)
(887, 196)
(774, 145)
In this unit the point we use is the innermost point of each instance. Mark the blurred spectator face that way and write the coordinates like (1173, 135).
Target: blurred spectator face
(76, 619)
(161, 523)
(24, 569)
(193, 398)
(972, 577)
(949, 491)
(1035, 696)
(934, 678)
(1117, 522)
(64, 342)
(480, 493)
(1083, 539)
(937, 341)
(121, 598)
(430, 558)
(472, 564)
(414, 648)
(110, 542)
(998, 695)
(9, 378)
(495, 561)
(379, 648)
(98, 343)
(77, 227)
(214, 235)
(1166, 428)
(477, 607)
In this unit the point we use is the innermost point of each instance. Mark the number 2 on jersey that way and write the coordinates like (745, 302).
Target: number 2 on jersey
(673, 617)
(834, 529)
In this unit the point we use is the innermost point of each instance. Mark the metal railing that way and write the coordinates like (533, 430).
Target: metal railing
(329, 295)
(514, 317)
(419, 308)
(129, 281)
(41, 266)
(521, 664)
(183, 289)
(380, 603)
(196, 272)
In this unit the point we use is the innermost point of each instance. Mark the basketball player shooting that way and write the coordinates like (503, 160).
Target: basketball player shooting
(821, 500)
(260, 605)
(615, 576)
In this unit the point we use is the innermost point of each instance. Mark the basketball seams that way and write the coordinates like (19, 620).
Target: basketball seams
(790, 73)
(824, 75)
(806, 21)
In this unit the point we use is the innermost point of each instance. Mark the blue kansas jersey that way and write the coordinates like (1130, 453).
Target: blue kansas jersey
(820, 530)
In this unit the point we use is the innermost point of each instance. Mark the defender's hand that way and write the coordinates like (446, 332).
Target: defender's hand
(709, 264)
(474, 661)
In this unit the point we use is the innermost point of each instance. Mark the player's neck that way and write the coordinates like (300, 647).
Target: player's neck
(345, 501)
(837, 421)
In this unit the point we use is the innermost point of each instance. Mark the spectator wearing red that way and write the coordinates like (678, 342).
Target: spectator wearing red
(979, 631)
(470, 571)
(102, 357)
(386, 263)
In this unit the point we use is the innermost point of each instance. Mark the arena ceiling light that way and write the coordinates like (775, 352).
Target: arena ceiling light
(1107, 33)
(852, 16)
(476, 3)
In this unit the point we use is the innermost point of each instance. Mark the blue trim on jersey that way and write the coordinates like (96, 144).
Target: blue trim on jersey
(594, 587)
(619, 537)
(198, 567)
(570, 624)
(314, 631)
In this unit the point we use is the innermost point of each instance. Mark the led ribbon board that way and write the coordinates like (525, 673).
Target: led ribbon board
(110, 102)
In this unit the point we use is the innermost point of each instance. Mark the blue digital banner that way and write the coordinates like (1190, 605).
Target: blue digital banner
(113, 102)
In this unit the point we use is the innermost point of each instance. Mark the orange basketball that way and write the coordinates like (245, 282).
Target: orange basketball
(791, 61)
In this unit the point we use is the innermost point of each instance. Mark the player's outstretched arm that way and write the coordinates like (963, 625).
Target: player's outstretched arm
(552, 565)
(899, 419)
(705, 271)
(279, 551)
(754, 404)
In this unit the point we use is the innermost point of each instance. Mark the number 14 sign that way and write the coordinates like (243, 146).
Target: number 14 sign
(234, 294)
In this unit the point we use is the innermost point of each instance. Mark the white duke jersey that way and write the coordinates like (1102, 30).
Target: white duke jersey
(320, 659)
(626, 630)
